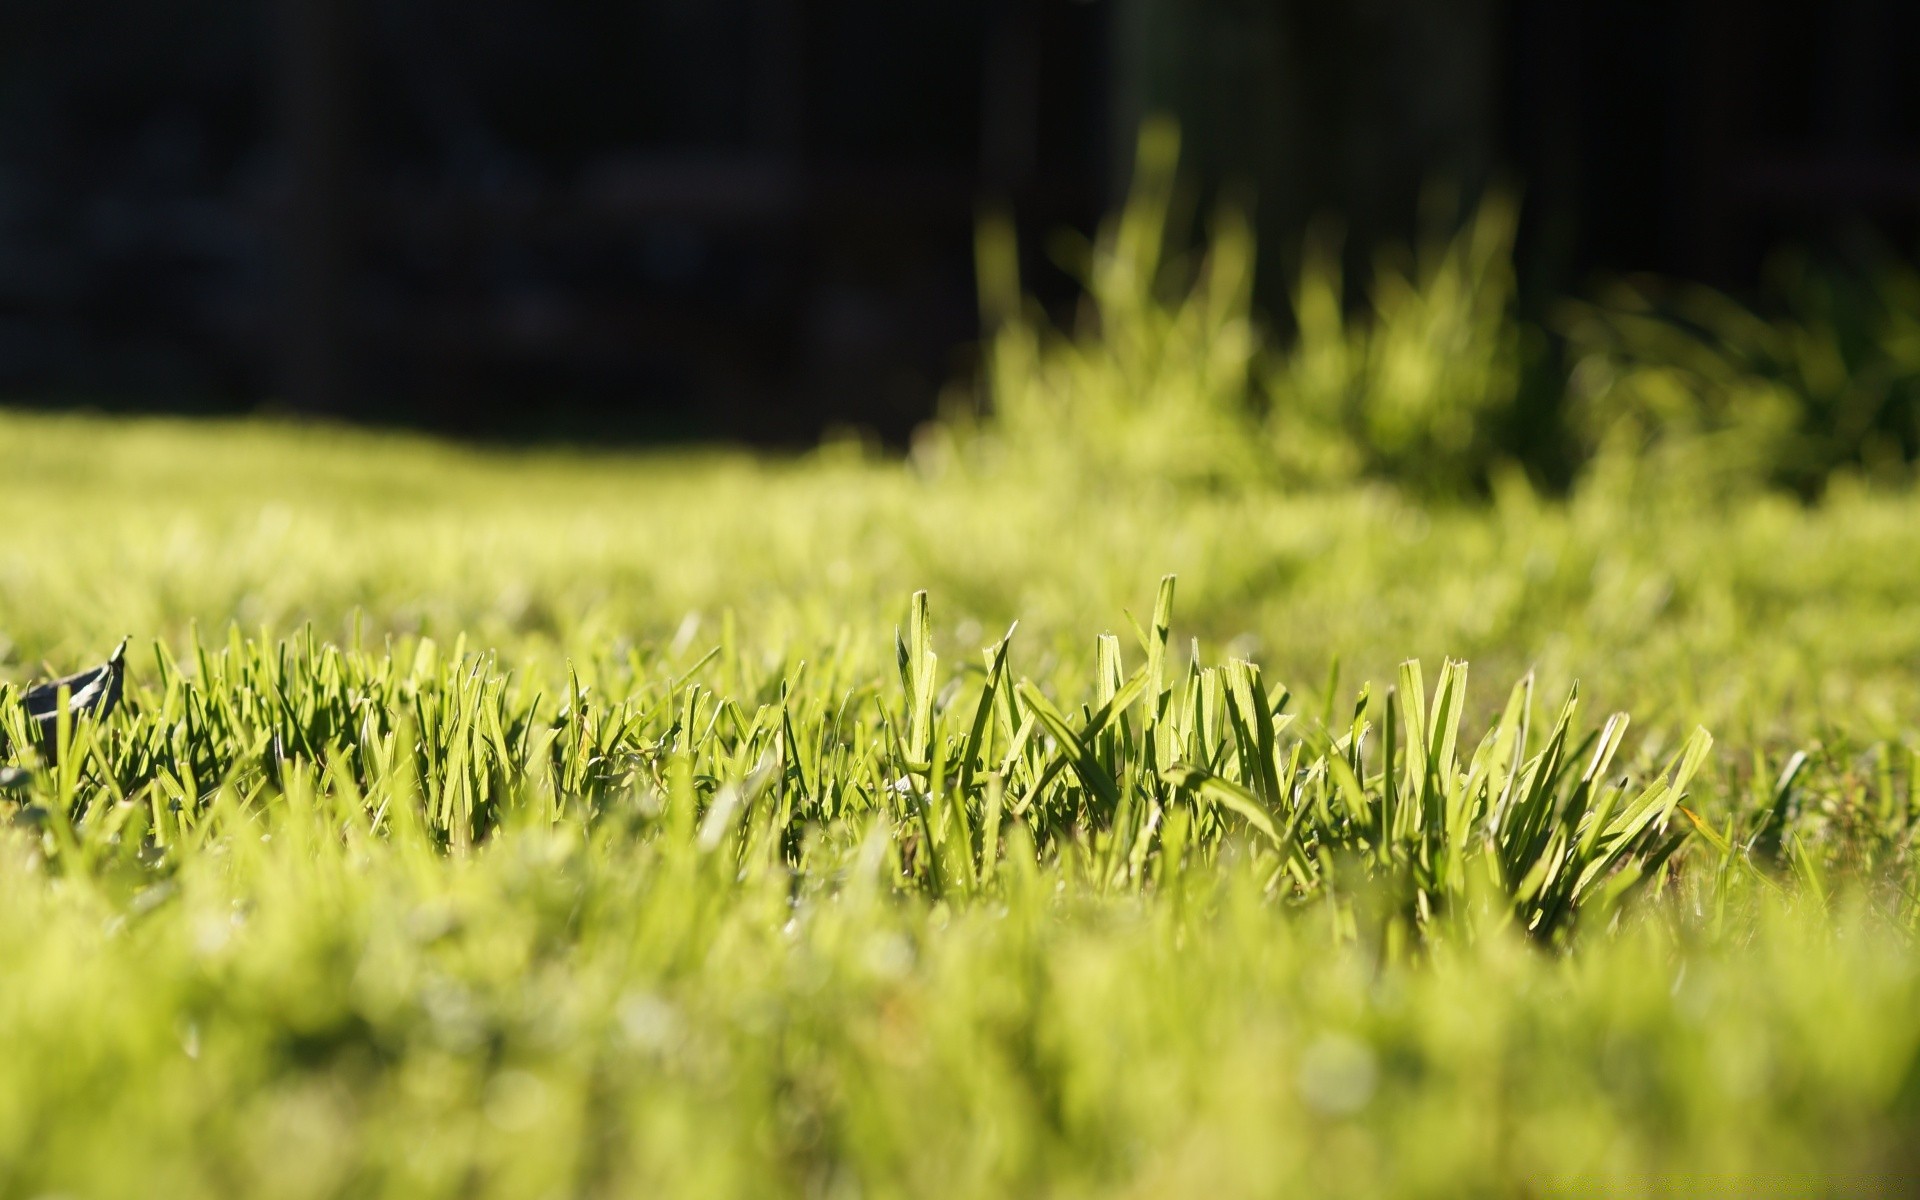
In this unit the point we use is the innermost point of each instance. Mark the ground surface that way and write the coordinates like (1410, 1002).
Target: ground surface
(562, 825)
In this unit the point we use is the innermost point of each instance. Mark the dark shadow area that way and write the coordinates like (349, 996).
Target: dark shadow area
(753, 219)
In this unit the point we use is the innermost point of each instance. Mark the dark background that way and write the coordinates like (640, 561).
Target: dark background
(753, 218)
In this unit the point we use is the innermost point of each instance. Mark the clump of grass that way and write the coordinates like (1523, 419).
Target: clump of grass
(1709, 392)
(1419, 387)
(1165, 764)
(1173, 377)
(1159, 381)
(1169, 375)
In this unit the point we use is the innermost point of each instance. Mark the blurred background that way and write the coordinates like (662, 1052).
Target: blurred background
(753, 219)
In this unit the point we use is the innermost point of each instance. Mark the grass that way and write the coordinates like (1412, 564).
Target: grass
(1016, 820)
(481, 824)
(1411, 374)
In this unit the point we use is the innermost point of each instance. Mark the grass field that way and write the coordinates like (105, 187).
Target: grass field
(554, 825)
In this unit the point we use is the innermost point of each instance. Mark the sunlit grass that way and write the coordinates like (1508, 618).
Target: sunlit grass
(493, 824)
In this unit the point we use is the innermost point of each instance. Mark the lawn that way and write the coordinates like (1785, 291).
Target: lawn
(552, 824)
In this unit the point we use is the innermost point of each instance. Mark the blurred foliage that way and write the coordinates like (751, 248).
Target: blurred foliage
(1417, 386)
(1697, 386)
(1170, 374)
(1159, 380)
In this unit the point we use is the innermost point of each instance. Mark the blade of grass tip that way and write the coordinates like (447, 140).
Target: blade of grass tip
(1509, 742)
(1413, 696)
(917, 622)
(1215, 741)
(1183, 711)
(1536, 806)
(1234, 703)
(1107, 683)
(1098, 720)
(1449, 704)
(1692, 756)
(904, 658)
(1330, 698)
(690, 672)
(1359, 727)
(1608, 745)
(1581, 805)
(1017, 749)
(1695, 753)
(1157, 647)
(1266, 732)
(917, 675)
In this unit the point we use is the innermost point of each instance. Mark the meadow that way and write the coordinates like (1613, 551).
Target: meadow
(1097, 801)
